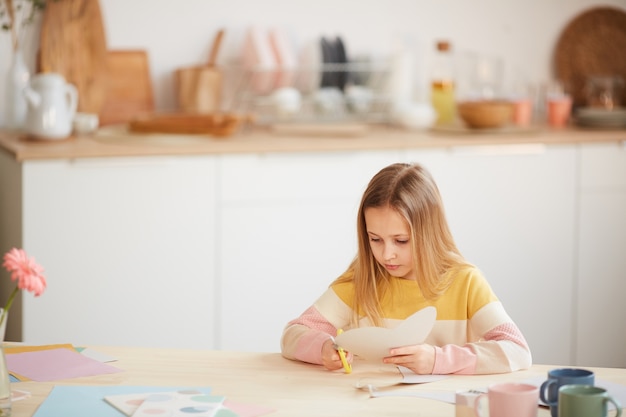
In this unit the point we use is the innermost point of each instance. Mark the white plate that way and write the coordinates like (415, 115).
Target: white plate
(374, 342)
(310, 65)
(601, 114)
(593, 117)
(259, 60)
(286, 59)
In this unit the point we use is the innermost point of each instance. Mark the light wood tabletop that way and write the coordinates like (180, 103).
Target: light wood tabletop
(291, 389)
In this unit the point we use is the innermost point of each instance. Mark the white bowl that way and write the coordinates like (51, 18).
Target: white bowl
(359, 98)
(329, 101)
(287, 101)
(415, 116)
(85, 123)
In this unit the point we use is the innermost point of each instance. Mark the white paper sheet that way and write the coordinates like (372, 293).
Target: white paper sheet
(373, 343)
(410, 377)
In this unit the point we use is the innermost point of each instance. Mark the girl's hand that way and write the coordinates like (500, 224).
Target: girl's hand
(418, 358)
(330, 356)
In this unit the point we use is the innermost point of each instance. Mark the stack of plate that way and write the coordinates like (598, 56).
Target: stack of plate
(322, 63)
(601, 118)
(270, 58)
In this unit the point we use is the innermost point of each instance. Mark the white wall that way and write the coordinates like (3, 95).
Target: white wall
(179, 33)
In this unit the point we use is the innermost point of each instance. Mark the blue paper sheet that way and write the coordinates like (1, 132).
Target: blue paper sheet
(81, 401)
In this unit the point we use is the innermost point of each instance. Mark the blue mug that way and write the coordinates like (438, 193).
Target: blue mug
(549, 391)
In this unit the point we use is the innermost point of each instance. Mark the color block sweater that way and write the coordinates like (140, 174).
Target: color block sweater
(472, 334)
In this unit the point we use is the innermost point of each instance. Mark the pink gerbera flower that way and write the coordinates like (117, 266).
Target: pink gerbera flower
(26, 272)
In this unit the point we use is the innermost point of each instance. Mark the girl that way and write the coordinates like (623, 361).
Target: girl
(407, 260)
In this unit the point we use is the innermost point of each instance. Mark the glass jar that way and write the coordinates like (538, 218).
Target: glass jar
(604, 92)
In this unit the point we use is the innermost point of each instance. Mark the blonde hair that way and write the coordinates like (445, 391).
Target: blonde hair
(410, 190)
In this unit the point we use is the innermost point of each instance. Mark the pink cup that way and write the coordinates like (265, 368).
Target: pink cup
(522, 112)
(559, 109)
(509, 399)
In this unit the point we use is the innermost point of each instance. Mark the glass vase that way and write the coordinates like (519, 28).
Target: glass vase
(5, 386)
(3, 325)
(18, 76)
(5, 382)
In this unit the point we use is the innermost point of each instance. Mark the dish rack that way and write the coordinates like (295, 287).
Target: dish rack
(327, 93)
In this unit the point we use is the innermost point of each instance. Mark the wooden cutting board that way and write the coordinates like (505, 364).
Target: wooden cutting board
(73, 44)
(128, 86)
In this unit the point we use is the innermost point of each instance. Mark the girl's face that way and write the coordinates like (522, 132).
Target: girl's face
(390, 241)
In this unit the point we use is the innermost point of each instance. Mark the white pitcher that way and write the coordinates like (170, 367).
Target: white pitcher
(52, 105)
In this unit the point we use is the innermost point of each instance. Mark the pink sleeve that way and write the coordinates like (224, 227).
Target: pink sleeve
(454, 359)
(502, 349)
(309, 348)
(303, 337)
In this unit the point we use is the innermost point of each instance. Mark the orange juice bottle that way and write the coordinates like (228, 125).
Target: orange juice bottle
(442, 84)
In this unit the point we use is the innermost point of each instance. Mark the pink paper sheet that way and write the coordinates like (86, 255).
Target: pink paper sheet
(55, 364)
(247, 410)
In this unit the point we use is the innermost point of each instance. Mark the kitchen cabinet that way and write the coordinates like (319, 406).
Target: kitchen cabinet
(128, 248)
(511, 210)
(287, 229)
(601, 262)
(220, 250)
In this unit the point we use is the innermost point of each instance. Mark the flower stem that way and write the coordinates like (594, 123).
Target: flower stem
(8, 305)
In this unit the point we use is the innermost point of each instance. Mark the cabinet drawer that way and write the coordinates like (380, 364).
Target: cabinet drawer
(277, 177)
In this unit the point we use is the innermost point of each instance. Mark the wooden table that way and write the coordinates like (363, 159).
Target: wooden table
(292, 389)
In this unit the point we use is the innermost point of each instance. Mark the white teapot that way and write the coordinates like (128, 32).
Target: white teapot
(52, 105)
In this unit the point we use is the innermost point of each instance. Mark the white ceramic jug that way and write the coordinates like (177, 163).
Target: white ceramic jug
(52, 105)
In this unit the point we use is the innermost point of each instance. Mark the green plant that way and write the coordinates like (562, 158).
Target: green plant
(15, 14)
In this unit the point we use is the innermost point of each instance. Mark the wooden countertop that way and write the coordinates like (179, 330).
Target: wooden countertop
(290, 389)
(116, 141)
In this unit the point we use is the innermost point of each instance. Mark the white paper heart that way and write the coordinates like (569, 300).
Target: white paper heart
(374, 342)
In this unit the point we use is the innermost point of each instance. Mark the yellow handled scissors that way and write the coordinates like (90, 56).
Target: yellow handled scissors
(342, 354)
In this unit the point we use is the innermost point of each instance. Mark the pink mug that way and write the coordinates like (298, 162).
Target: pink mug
(559, 109)
(509, 399)
(522, 112)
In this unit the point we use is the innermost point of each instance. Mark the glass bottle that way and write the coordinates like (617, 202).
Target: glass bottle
(443, 83)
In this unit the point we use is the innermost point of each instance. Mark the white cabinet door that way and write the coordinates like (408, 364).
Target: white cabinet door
(128, 249)
(287, 229)
(602, 257)
(511, 211)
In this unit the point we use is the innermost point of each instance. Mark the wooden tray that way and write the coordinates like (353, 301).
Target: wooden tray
(216, 124)
(593, 43)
